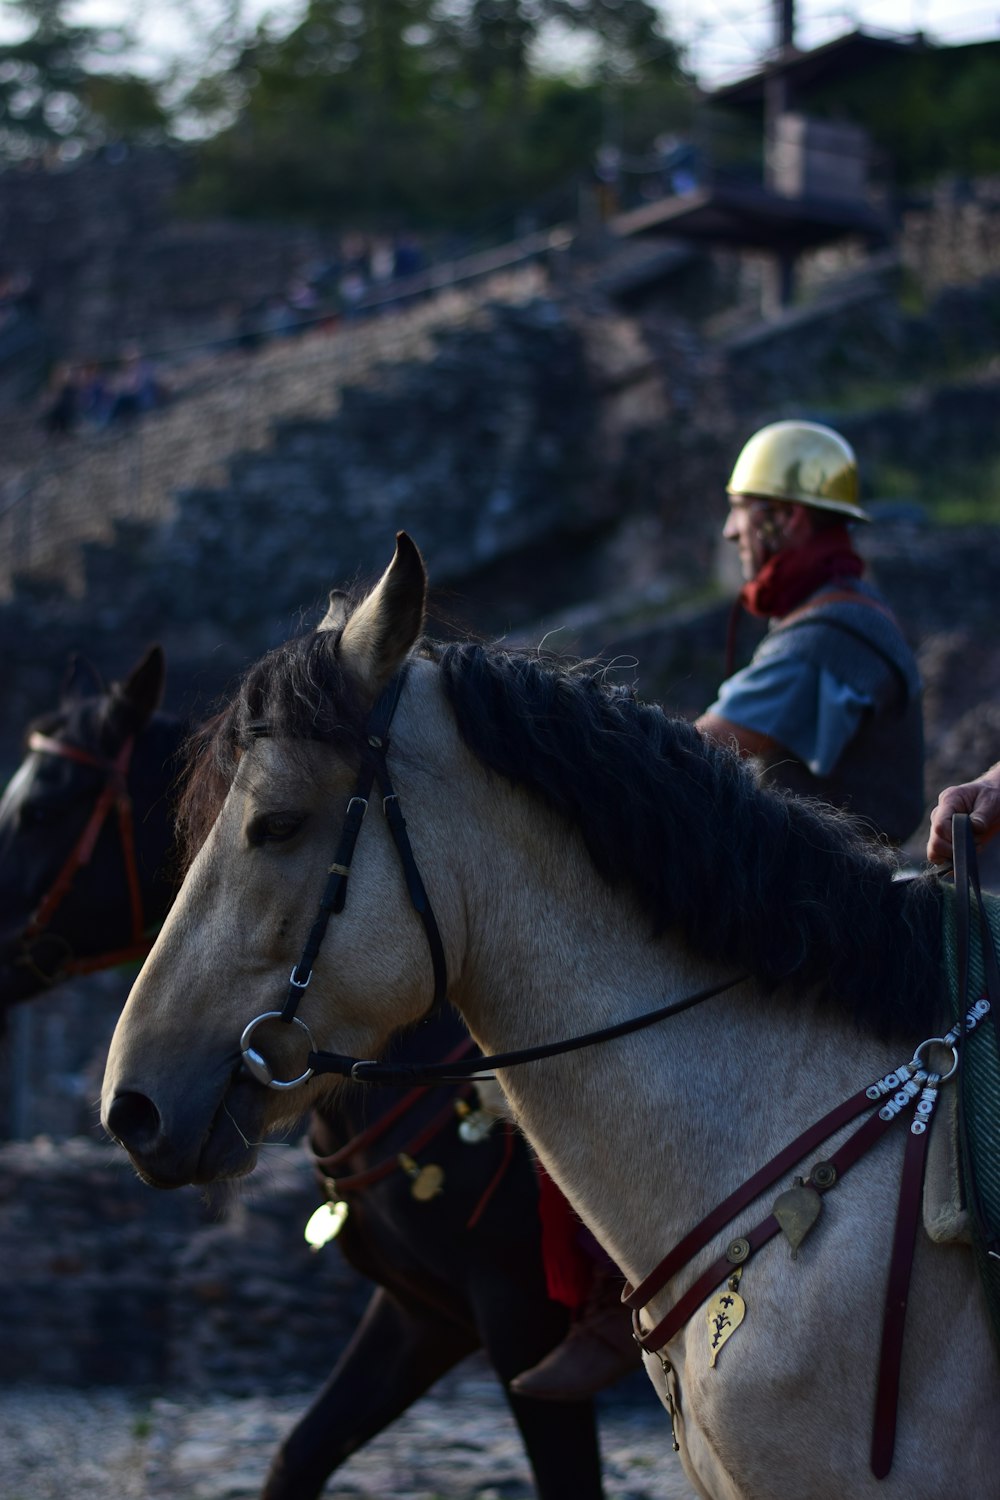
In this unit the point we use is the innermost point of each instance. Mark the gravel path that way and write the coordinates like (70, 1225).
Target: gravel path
(459, 1443)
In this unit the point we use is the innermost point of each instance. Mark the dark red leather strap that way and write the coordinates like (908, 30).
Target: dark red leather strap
(688, 1305)
(384, 1124)
(836, 596)
(496, 1179)
(359, 1180)
(850, 1152)
(114, 794)
(720, 1216)
(896, 1297)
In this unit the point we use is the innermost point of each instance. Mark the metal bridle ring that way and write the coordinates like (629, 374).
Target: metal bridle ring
(257, 1066)
(939, 1041)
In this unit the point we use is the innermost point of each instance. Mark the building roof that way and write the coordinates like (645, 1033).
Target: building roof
(839, 58)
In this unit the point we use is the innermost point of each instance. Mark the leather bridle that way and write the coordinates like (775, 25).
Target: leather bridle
(373, 747)
(113, 795)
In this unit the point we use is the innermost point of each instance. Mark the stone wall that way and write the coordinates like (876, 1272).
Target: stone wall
(110, 1282)
(110, 261)
(848, 346)
(494, 435)
(953, 238)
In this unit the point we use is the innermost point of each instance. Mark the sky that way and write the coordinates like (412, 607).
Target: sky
(724, 38)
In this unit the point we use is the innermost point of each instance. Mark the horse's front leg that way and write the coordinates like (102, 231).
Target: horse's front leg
(396, 1354)
(560, 1437)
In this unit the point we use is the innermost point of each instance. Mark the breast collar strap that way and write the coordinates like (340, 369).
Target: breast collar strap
(374, 748)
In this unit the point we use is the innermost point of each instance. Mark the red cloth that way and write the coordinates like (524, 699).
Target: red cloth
(569, 1269)
(793, 574)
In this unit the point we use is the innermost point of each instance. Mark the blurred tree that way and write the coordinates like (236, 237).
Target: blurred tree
(386, 113)
(59, 90)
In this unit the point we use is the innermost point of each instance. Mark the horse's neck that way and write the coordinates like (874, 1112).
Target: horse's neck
(727, 1083)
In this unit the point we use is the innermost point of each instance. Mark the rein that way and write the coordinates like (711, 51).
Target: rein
(435, 1073)
(113, 795)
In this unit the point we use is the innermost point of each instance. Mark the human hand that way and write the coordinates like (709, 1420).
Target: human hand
(980, 799)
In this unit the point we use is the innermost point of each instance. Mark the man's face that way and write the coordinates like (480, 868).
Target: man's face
(756, 530)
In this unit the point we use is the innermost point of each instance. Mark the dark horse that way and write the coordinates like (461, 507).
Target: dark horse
(455, 1271)
(86, 830)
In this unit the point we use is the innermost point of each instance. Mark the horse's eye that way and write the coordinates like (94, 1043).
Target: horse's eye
(274, 828)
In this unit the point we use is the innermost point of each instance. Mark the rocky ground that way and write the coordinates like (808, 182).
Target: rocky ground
(459, 1443)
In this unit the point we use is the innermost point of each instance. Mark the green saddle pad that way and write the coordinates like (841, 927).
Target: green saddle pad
(979, 1103)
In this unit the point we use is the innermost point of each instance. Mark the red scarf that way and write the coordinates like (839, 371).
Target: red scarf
(793, 574)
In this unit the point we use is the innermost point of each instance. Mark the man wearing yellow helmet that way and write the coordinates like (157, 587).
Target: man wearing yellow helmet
(831, 700)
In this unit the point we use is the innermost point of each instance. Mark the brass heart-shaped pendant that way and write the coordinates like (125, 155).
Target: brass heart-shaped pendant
(797, 1210)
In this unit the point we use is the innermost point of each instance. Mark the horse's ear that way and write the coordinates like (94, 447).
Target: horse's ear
(82, 680)
(336, 614)
(142, 691)
(384, 628)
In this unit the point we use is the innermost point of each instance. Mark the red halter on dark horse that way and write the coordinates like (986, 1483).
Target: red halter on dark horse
(115, 796)
(86, 832)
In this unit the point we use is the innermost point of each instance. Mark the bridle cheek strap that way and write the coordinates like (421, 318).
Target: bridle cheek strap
(374, 770)
(114, 794)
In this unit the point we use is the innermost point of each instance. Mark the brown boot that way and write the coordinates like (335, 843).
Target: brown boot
(598, 1350)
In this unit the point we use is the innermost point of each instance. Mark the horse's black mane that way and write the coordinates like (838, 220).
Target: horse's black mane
(779, 886)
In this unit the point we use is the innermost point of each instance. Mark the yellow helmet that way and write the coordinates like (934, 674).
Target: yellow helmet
(803, 462)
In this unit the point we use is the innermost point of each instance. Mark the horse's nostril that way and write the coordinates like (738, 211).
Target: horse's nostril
(133, 1120)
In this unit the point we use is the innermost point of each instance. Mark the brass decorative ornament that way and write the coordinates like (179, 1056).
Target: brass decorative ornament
(325, 1224)
(724, 1314)
(425, 1182)
(474, 1125)
(797, 1210)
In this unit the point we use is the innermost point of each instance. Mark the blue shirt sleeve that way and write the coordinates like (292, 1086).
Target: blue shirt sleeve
(801, 706)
